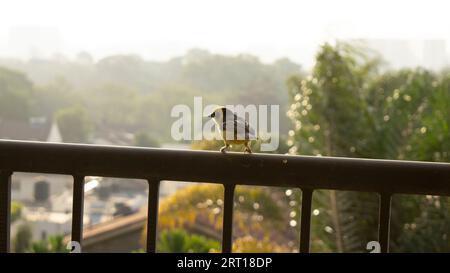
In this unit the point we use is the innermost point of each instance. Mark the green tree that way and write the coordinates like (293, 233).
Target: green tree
(74, 124)
(347, 108)
(329, 116)
(249, 244)
(53, 96)
(142, 139)
(431, 141)
(16, 95)
(16, 211)
(112, 105)
(53, 244)
(179, 241)
(23, 238)
(263, 212)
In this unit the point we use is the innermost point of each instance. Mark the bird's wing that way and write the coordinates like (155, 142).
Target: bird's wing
(243, 130)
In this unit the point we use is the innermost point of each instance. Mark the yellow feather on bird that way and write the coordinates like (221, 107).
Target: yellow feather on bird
(233, 129)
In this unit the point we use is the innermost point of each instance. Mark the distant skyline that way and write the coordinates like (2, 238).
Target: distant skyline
(165, 29)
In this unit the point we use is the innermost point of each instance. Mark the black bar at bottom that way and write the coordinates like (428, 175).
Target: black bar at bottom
(152, 214)
(5, 207)
(305, 220)
(384, 221)
(78, 209)
(228, 204)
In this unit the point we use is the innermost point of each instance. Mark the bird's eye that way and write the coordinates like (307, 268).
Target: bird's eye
(213, 114)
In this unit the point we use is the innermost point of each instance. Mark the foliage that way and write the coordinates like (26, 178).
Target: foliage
(424, 226)
(344, 107)
(179, 241)
(260, 211)
(53, 244)
(23, 238)
(112, 104)
(16, 211)
(74, 124)
(16, 93)
(204, 203)
(347, 108)
(53, 96)
(142, 139)
(128, 93)
(249, 244)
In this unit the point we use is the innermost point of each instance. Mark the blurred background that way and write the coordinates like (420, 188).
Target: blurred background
(365, 79)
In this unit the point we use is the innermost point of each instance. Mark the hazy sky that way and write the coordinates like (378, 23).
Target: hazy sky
(269, 29)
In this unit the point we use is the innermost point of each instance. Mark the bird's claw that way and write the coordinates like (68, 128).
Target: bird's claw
(223, 150)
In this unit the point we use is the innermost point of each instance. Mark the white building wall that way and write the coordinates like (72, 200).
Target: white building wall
(24, 192)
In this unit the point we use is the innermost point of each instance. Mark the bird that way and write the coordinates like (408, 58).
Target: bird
(229, 124)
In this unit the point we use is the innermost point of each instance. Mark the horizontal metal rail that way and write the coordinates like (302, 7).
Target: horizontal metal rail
(385, 177)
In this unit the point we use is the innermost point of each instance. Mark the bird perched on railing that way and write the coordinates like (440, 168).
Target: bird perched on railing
(233, 129)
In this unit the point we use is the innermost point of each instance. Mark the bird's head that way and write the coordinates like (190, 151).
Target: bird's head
(218, 113)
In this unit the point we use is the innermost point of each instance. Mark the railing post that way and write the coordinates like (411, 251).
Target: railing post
(152, 214)
(384, 221)
(5, 210)
(305, 221)
(78, 209)
(227, 232)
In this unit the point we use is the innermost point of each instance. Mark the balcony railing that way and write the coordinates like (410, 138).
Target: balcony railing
(385, 177)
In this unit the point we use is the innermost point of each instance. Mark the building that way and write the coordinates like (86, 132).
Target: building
(44, 223)
(33, 189)
(121, 234)
(35, 129)
(29, 187)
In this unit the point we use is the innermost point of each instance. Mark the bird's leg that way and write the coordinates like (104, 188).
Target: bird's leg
(225, 148)
(247, 148)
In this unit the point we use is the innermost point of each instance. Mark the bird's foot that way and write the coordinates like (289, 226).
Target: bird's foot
(224, 149)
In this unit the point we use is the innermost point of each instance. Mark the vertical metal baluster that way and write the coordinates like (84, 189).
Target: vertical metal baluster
(78, 209)
(228, 204)
(305, 220)
(152, 214)
(384, 221)
(5, 207)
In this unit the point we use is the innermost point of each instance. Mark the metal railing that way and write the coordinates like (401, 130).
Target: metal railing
(385, 177)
